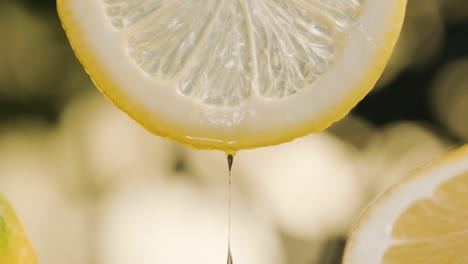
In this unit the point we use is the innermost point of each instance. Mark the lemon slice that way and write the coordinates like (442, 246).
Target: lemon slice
(14, 245)
(423, 219)
(233, 74)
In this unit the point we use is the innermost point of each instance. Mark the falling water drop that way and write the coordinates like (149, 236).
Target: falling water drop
(230, 160)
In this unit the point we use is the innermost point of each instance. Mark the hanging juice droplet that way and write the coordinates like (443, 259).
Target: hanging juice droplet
(229, 257)
(230, 161)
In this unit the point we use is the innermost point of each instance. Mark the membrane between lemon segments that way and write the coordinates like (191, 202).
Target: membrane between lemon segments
(257, 120)
(221, 52)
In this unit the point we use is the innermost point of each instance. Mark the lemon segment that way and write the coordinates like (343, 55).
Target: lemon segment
(228, 74)
(422, 219)
(14, 244)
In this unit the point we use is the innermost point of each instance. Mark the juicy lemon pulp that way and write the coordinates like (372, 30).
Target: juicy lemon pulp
(222, 52)
(422, 219)
(233, 74)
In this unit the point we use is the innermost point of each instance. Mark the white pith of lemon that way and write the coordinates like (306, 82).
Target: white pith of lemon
(422, 219)
(231, 75)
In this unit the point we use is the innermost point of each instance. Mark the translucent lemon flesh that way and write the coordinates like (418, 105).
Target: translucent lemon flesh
(220, 52)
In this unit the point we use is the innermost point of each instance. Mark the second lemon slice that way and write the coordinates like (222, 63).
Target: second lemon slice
(233, 74)
(421, 219)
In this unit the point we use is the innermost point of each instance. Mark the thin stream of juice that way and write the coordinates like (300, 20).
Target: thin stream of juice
(230, 160)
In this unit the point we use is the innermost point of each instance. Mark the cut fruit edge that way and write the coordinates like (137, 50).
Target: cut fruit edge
(370, 236)
(209, 138)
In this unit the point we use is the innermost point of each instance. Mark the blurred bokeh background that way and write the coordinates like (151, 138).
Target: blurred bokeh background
(92, 187)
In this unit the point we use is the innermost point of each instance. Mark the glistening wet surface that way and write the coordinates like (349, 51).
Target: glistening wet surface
(221, 52)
